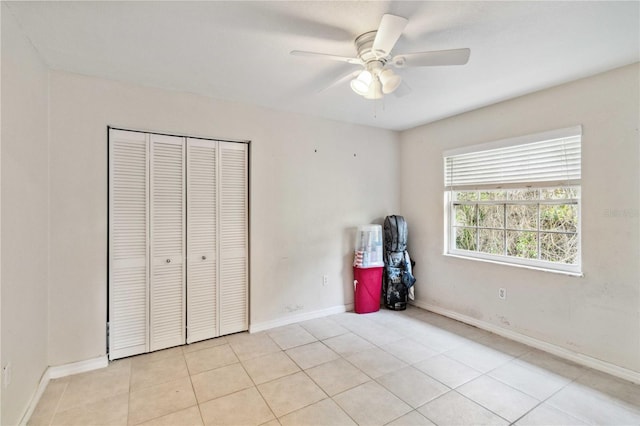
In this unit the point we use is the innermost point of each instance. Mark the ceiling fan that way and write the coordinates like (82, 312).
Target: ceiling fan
(374, 55)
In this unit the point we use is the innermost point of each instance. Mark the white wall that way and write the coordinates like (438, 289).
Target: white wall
(24, 223)
(304, 204)
(597, 315)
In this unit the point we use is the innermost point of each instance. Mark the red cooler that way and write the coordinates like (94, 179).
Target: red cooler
(367, 283)
(367, 269)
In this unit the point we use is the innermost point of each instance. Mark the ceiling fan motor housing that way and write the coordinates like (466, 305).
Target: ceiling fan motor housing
(364, 47)
(381, 80)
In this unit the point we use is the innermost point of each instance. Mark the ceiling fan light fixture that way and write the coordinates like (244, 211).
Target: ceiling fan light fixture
(375, 90)
(390, 81)
(362, 83)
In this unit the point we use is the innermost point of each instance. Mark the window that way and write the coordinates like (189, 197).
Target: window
(517, 201)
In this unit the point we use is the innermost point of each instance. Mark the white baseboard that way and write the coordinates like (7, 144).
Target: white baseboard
(266, 325)
(57, 372)
(78, 367)
(578, 358)
(44, 381)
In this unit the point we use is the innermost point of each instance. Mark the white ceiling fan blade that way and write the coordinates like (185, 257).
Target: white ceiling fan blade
(341, 80)
(434, 58)
(389, 32)
(354, 61)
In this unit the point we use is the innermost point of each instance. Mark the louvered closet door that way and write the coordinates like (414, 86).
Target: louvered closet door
(233, 238)
(128, 244)
(167, 289)
(202, 219)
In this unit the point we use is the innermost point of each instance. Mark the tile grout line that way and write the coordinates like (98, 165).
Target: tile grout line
(540, 402)
(288, 375)
(560, 390)
(166, 414)
(325, 392)
(440, 381)
(481, 406)
(506, 384)
(254, 383)
(454, 389)
(372, 379)
(310, 378)
(129, 389)
(193, 389)
(55, 410)
(545, 400)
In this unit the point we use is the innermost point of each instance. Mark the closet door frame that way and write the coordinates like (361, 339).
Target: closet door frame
(147, 135)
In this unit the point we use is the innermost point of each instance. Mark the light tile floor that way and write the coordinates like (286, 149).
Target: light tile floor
(397, 368)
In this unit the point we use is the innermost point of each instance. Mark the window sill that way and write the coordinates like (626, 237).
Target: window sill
(517, 265)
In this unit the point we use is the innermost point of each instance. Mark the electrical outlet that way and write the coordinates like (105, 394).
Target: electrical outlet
(502, 293)
(325, 280)
(6, 375)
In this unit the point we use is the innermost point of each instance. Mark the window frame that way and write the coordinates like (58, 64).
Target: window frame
(466, 170)
(540, 264)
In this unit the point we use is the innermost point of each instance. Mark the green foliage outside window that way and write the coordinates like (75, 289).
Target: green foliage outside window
(525, 223)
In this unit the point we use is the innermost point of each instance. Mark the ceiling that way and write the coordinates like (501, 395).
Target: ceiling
(239, 51)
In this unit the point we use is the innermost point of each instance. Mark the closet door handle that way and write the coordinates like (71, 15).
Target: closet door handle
(204, 257)
(168, 260)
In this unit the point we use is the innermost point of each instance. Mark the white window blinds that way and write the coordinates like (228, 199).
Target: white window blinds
(550, 158)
